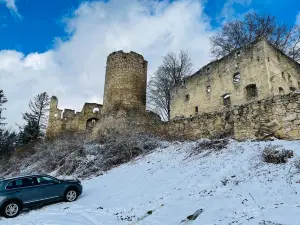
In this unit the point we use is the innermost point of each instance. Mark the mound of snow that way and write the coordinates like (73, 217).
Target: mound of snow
(171, 186)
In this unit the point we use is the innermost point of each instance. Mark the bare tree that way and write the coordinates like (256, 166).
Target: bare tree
(172, 71)
(241, 33)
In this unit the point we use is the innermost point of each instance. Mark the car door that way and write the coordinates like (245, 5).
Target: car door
(29, 192)
(50, 189)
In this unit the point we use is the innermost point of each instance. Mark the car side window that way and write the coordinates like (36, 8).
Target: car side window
(45, 180)
(24, 182)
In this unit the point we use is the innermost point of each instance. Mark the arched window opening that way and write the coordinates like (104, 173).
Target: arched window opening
(96, 110)
(281, 90)
(236, 78)
(91, 123)
(226, 100)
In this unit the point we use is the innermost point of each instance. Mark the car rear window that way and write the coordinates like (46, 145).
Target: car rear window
(11, 185)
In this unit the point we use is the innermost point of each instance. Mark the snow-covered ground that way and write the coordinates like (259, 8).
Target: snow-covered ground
(232, 186)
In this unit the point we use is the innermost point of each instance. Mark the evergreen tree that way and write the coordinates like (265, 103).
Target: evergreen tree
(7, 142)
(7, 138)
(36, 120)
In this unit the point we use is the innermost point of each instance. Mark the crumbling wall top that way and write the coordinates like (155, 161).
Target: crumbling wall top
(124, 55)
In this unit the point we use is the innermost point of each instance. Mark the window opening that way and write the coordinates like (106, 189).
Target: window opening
(251, 91)
(281, 90)
(226, 100)
(208, 89)
(236, 78)
(292, 89)
(187, 98)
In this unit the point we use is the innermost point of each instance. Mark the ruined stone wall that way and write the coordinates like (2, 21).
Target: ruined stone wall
(248, 74)
(206, 125)
(125, 82)
(64, 121)
(284, 72)
(277, 116)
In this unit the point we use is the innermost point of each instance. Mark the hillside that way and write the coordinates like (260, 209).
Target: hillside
(230, 185)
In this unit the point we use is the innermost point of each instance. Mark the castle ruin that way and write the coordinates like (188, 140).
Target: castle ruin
(249, 74)
(250, 93)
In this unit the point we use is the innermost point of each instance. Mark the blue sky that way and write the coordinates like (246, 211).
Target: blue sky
(60, 46)
(40, 21)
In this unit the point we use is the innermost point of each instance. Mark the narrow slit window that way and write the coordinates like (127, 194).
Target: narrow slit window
(187, 98)
(208, 89)
(196, 109)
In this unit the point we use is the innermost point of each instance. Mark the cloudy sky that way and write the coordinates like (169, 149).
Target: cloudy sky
(60, 46)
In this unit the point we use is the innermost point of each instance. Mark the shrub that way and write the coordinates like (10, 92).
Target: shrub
(121, 149)
(212, 145)
(274, 154)
(297, 163)
(71, 155)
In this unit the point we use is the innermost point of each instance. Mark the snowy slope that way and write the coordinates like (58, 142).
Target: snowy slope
(232, 186)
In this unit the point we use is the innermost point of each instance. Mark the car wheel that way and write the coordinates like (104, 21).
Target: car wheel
(71, 195)
(11, 209)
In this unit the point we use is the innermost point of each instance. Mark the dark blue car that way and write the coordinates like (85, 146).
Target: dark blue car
(31, 191)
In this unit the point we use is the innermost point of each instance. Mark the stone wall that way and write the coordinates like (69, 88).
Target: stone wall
(277, 116)
(248, 74)
(284, 72)
(206, 125)
(65, 121)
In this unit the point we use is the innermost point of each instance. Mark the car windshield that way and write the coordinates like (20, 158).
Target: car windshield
(46, 180)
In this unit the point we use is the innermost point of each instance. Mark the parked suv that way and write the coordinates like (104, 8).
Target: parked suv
(31, 191)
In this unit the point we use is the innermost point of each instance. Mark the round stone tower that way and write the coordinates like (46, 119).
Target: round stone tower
(125, 82)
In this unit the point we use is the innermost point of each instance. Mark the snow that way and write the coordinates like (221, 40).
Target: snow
(232, 186)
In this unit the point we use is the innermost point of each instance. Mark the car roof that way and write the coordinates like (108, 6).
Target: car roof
(22, 176)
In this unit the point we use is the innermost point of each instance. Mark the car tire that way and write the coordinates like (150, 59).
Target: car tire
(11, 209)
(71, 195)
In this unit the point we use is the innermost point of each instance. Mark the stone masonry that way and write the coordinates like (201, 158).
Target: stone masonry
(125, 82)
(253, 93)
(248, 74)
(64, 121)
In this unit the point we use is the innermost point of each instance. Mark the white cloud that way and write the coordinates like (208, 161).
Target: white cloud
(11, 5)
(228, 11)
(298, 19)
(74, 70)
